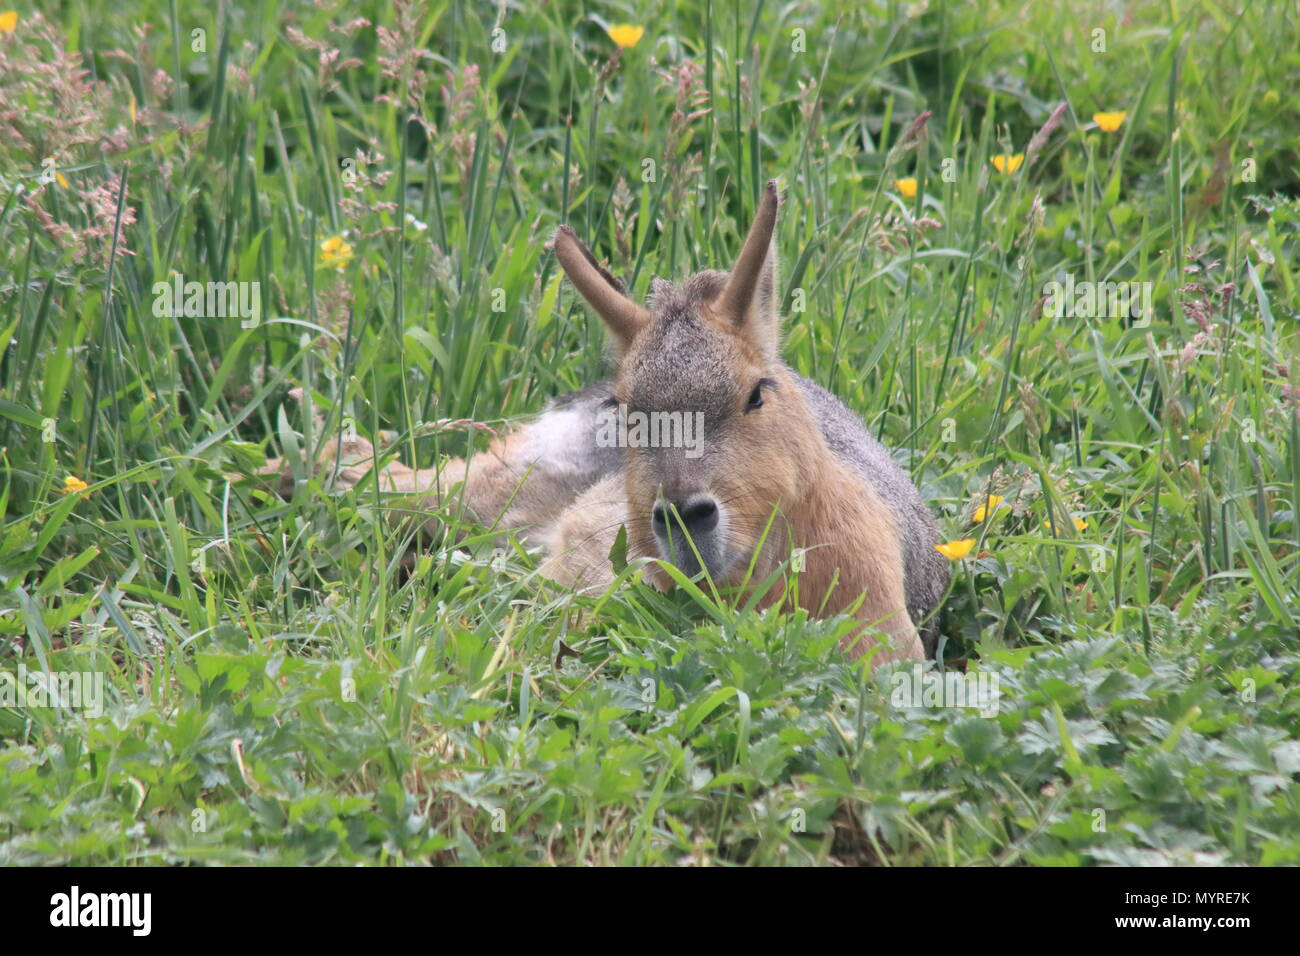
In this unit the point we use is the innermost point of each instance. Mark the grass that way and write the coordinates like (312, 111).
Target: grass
(280, 687)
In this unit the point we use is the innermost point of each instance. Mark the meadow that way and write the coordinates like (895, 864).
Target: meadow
(301, 679)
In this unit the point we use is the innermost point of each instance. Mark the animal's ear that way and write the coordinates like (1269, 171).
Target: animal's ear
(749, 297)
(602, 291)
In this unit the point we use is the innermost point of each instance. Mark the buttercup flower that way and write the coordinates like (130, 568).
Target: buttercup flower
(8, 21)
(72, 484)
(1006, 163)
(906, 187)
(1079, 523)
(626, 35)
(335, 252)
(955, 550)
(1108, 122)
(991, 505)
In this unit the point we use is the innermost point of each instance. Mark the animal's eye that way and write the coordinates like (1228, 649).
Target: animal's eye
(756, 396)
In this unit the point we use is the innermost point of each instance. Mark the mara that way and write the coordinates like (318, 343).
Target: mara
(781, 464)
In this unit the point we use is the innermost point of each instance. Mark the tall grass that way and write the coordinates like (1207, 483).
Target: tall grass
(283, 686)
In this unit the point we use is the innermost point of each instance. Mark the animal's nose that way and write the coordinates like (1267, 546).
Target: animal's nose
(698, 515)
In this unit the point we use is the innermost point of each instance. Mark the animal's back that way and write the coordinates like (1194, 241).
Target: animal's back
(926, 570)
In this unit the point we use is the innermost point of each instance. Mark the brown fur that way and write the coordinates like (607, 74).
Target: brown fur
(777, 466)
(579, 542)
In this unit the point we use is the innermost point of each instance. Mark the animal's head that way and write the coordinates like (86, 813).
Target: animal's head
(717, 438)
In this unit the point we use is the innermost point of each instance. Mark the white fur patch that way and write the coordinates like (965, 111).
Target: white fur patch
(558, 441)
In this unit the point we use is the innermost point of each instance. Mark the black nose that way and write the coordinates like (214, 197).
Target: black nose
(697, 516)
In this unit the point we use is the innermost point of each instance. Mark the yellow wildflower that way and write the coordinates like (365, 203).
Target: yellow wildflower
(955, 550)
(1006, 163)
(991, 505)
(72, 485)
(8, 21)
(626, 35)
(1079, 523)
(336, 252)
(906, 187)
(1108, 122)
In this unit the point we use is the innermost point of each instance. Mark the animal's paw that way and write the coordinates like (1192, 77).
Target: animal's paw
(341, 463)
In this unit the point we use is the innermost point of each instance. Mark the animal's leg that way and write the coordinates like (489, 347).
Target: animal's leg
(512, 485)
(354, 457)
(887, 618)
(521, 483)
(578, 543)
(526, 479)
(859, 555)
